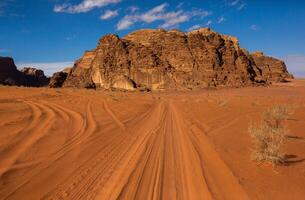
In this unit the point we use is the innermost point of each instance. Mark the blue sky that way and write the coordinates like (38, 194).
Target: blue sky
(52, 34)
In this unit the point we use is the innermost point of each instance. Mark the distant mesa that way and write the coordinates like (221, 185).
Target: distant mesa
(35, 77)
(156, 59)
(10, 75)
(160, 60)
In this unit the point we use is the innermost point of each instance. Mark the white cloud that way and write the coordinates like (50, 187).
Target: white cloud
(159, 13)
(109, 14)
(48, 67)
(196, 26)
(125, 23)
(200, 13)
(295, 64)
(238, 4)
(173, 18)
(84, 6)
(209, 23)
(241, 6)
(234, 3)
(221, 19)
(253, 27)
(133, 9)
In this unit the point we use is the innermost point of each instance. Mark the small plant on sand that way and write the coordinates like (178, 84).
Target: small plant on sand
(269, 135)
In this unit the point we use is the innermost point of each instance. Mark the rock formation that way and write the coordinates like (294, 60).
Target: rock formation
(35, 77)
(272, 69)
(58, 79)
(159, 59)
(10, 75)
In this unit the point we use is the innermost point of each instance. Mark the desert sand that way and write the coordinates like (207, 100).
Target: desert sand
(86, 144)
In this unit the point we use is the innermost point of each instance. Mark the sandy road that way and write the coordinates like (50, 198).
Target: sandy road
(156, 155)
(96, 147)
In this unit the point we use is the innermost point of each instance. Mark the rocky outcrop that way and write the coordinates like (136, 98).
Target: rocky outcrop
(80, 75)
(272, 69)
(35, 77)
(159, 59)
(67, 70)
(58, 78)
(10, 75)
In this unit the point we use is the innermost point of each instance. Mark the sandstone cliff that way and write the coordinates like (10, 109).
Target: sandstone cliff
(35, 77)
(10, 75)
(272, 69)
(159, 59)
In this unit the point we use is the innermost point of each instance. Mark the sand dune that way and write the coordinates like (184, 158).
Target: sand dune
(82, 144)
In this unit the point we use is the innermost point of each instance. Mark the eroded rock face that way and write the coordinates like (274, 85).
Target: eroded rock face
(80, 75)
(159, 59)
(58, 79)
(35, 77)
(272, 69)
(10, 75)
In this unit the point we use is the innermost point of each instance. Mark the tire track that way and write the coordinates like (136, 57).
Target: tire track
(220, 181)
(164, 157)
(43, 119)
(79, 135)
(170, 165)
(96, 171)
(114, 117)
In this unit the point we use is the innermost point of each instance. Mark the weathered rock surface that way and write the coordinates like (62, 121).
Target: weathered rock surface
(67, 70)
(272, 69)
(10, 75)
(159, 59)
(35, 77)
(58, 79)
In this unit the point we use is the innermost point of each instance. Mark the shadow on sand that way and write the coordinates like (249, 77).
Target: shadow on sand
(291, 159)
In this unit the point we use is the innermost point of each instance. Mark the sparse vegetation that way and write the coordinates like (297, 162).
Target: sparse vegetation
(269, 135)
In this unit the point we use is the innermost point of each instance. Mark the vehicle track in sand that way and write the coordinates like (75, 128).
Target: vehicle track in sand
(41, 122)
(76, 130)
(163, 155)
(171, 166)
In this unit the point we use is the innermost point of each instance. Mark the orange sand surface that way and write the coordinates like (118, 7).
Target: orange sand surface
(85, 144)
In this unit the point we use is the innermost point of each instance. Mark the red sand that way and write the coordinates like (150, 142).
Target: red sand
(82, 144)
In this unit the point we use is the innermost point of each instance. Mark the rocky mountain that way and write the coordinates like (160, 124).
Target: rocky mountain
(10, 75)
(159, 59)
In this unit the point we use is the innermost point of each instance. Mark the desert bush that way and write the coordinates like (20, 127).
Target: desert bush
(275, 115)
(269, 135)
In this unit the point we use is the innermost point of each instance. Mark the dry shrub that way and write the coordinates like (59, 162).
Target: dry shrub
(269, 135)
(275, 115)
